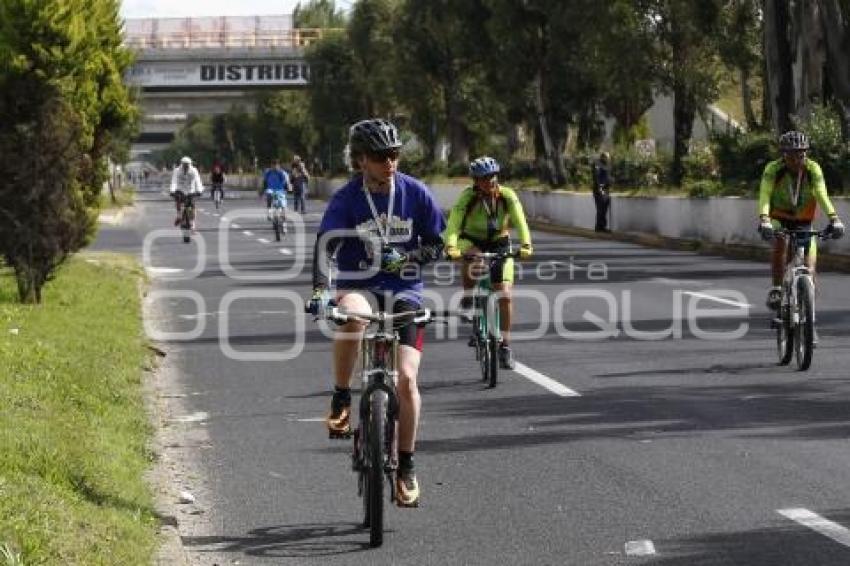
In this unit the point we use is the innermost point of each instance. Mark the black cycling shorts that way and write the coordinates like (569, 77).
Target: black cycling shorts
(410, 334)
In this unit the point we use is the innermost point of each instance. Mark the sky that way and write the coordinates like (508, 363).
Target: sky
(183, 8)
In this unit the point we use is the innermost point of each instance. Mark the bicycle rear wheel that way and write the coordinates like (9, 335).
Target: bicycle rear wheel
(276, 226)
(374, 492)
(805, 332)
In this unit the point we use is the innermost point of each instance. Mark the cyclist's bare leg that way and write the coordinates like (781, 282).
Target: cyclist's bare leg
(505, 309)
(408, 397)
(347, 339)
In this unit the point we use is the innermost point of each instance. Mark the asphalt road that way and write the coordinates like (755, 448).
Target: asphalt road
(658, 439)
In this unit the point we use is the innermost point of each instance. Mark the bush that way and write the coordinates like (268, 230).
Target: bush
(703, 188)
(700, 164)
(741, 157)
(631, 169)
(823, 127)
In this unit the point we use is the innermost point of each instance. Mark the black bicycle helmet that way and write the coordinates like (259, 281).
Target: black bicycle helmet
(793, 141)
(374, 134)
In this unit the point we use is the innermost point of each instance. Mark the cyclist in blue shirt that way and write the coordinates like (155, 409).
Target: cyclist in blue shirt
(275, 179)
(382, 226)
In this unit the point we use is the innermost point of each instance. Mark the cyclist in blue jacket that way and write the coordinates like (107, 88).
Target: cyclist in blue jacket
(275, 179)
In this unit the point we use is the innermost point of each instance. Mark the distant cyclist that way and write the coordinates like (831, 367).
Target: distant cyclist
(217, 180)
(185, 180)
(480, 221)
(388, 225)
(275, 180)
(791, 190)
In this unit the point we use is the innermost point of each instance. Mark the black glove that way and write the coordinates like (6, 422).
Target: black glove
(319, 302)
(766, 229)
(836, 227)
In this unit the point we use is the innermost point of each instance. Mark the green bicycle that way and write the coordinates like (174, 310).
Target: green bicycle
(486, 330)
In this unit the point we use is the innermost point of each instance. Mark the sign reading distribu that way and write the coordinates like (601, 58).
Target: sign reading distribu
(183, 74)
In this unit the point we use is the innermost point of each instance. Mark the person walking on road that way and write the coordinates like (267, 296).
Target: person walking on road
(300, 183)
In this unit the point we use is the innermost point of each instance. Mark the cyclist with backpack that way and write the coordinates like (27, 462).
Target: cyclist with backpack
(480, 221)
(791, 189)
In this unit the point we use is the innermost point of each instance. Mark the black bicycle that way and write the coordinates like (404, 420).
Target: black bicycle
(217, 194)
(186, 214)
(375, 454)
(795, 319)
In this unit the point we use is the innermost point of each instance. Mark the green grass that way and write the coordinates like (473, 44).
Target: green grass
(74, 438)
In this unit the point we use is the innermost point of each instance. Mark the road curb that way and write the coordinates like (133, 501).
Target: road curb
(826, 261)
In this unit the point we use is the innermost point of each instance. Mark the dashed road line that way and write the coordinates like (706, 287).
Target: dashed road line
(640, 548)
(719, 299)
(263, 241)
(247, 232)
(235, 226)
(824, 526)
(545, 381)
(285, 251)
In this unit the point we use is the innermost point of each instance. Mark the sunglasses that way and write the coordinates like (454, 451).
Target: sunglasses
(381, 156)
(486, 178)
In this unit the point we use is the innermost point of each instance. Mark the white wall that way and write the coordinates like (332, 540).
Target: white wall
(731, 220)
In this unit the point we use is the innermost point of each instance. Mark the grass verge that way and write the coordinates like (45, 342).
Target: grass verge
(125, 196)
(74, 439)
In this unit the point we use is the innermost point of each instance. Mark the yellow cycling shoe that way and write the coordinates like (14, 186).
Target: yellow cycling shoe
(339, 422)
(407, 489)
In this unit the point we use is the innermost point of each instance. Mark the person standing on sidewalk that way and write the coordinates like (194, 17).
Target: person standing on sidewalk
(602, 191)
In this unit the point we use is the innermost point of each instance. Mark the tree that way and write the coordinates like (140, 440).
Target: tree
(318, 14)
(64, 107)
(370, 36)
(335, 97)
(686, 32)
(836, 22)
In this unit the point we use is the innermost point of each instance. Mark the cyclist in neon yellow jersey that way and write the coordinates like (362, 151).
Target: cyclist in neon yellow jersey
(480, 221)
(791, 190)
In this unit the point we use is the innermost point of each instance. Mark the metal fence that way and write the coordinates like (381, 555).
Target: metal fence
(216, 32)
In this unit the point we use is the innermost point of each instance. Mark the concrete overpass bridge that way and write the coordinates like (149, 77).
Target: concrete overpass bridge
(190, 66)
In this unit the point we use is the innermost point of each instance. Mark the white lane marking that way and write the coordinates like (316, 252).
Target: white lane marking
(817, 523)
(163, 270)
(273, 312)
(193, 418)
(678, 282)
(199, 315)
(545, 382)
(216, 214)
(236, 226)
(285, 251)
(263, 241)
(640, 548)
(719, 300)
(247, 232)
(311, 420)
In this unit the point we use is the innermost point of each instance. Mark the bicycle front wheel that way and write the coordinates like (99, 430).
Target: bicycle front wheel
(493, 369)
(375, 472)
(805, 331)
(784, 336)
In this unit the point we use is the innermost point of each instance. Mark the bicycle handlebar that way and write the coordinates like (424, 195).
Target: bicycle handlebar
(492, 255)
(824, 234)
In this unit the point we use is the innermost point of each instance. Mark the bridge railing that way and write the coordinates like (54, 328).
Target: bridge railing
(293, 38)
